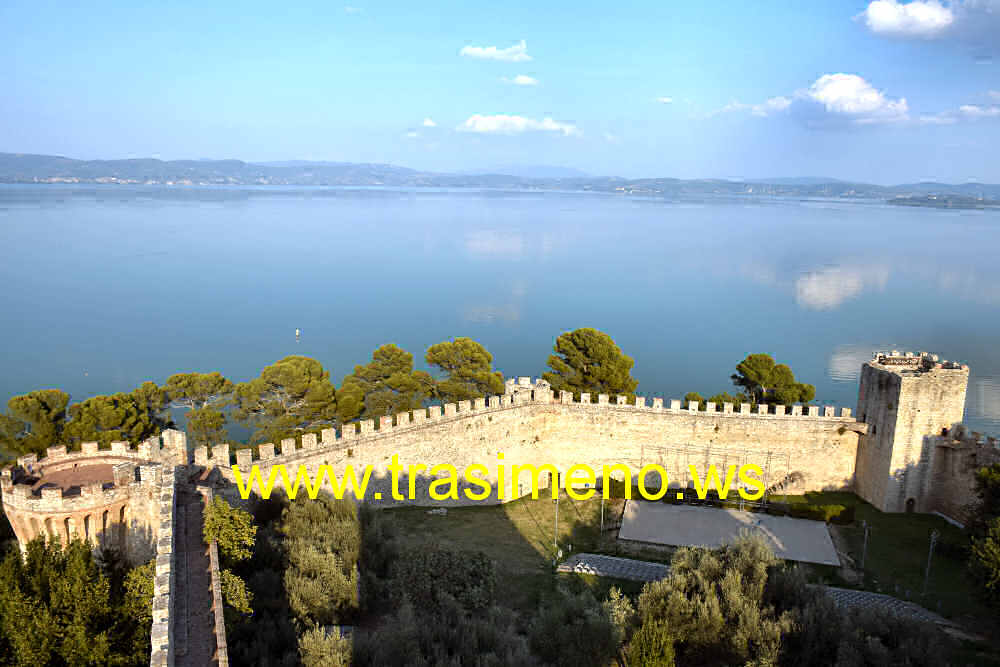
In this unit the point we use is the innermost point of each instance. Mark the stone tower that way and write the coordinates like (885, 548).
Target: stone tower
(906, 400)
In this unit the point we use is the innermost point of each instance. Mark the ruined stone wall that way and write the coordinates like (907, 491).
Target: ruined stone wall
(534, 428)
(959, 455)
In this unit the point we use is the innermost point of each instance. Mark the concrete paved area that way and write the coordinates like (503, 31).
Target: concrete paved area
(687, 525)
(613, 566)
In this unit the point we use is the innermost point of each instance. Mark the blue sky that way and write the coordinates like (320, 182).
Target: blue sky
(883, 92)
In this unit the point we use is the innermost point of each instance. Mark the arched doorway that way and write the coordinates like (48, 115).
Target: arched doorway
(911, 505)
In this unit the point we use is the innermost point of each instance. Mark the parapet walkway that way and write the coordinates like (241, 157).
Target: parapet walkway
(195, 629)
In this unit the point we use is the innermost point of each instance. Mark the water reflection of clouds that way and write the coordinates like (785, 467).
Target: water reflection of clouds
(499, 312)
(492, 242)
(491, 314)
(831, 286)
(986, 398)
(512, 243)
(846, 360)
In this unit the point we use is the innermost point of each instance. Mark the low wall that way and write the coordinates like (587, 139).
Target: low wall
(221, 648)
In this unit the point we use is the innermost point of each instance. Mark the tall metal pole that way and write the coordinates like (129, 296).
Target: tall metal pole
(864, 547)
(930, 552)
(555, 536)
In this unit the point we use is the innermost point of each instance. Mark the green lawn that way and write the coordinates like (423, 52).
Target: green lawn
(897, 557)
(517, 535)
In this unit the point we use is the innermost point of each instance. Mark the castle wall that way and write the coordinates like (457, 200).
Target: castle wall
(538, 430)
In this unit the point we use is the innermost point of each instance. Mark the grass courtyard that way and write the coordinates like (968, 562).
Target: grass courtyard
(519, 537)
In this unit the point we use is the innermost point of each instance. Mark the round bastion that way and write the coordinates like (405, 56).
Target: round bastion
(105, 497)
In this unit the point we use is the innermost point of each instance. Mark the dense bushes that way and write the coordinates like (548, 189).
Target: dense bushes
(428, 575)
(322, 542)
(739, 605)
(58, 606)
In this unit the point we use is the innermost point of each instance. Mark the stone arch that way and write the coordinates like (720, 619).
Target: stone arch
(35, 529)
(50, 531)
(911, 505)
(104, 526)
(88, 526)
(68, 528)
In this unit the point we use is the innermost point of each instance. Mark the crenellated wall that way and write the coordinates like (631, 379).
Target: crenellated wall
(535, 427)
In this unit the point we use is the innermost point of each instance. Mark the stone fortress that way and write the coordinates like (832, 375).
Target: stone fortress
(903, 449)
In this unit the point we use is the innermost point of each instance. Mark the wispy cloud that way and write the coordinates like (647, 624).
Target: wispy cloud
(429, 122)
(994, 94)
(665, 100)
(352, 10)
(522, 80)
(508, 124)
(517, 53)
(966, 112)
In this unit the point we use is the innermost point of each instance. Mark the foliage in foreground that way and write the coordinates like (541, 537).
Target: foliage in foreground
(57, 607)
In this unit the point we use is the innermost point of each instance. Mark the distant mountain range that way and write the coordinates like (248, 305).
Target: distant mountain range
(26, 168)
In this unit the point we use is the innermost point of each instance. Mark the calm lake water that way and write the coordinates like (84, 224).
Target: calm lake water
(105, 287)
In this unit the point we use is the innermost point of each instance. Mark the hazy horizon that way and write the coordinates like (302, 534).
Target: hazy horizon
(518, 170)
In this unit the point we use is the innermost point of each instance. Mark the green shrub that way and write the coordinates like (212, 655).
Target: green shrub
(652, 646)
(426, 574)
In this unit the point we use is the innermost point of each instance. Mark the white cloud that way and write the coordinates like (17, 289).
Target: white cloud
(976, 22)
(352, 10)
(429, 122)
(845, 97)
(851, 95)
(412, 134)
(512, 54)
(925, 19)
(522, 80)
(507, 124)
(665, 100)
(995, 94)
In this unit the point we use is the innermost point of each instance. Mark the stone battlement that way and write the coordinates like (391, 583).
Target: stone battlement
(169, 447)
(435, 414)
(31, 493)
(909, 362)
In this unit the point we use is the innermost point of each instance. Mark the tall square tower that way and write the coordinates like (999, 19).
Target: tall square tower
(906, 400)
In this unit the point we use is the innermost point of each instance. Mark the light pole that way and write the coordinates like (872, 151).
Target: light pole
(930, 552)
(555, 535)
(864, 547)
